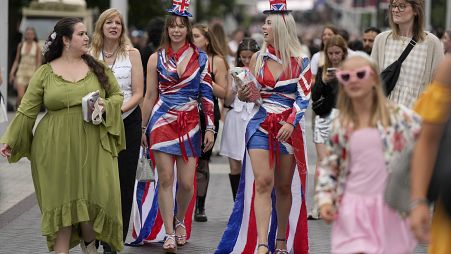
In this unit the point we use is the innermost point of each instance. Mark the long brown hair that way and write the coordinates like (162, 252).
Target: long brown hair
(213, 47)
(171, 20)
(98, 36)
(218, 31)
(418, 20)
(65, 28)
(338, 41)
(379, 112)
(330, 27)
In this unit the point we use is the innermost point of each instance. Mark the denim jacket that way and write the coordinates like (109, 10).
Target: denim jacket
(333, 171)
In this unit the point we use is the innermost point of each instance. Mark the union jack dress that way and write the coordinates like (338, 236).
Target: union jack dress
(173, 128)
(284, 100)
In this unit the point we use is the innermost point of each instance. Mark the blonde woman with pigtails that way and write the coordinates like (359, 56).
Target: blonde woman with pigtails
(274, 160)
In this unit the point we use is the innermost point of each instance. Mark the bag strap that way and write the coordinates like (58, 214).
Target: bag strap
(407, 50)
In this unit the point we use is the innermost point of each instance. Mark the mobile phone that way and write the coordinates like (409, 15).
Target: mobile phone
(331, 70)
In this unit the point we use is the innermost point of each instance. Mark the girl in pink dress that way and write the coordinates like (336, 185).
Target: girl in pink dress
(365, 138)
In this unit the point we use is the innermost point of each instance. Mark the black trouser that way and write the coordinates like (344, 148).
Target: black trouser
(128, 161)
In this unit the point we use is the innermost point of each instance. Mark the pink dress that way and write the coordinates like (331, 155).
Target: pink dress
(365, 223)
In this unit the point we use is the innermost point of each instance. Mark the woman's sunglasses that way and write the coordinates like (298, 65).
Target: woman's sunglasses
(345, 77)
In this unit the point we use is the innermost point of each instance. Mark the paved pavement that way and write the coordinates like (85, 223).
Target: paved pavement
(20, 216)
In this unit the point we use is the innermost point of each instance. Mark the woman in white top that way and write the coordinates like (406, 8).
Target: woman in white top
(238, 115)
(406, 20)
(319, 58)
(112, 45)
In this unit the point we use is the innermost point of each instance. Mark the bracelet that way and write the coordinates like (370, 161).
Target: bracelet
(418, 201)
(212, 129)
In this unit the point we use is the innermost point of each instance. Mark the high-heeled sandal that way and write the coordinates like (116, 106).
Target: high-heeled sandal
(280, 251)
(169, 247)
(263, 245)
(180, 239)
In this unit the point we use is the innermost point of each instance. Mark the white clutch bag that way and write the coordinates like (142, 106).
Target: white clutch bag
(92, 112)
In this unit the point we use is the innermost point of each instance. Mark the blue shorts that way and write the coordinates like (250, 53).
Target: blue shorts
(259, 140)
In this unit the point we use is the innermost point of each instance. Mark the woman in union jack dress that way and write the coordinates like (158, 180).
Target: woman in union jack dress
(269, 215)
(177, 76)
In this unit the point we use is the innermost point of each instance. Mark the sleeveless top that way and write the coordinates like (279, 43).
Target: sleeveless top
(27, 63)
(122, 69)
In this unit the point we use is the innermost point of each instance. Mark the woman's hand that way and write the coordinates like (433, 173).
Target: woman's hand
(144, 139)
(102, 104)
(5, 151)
(285, 132)
(243, 93)
(209, 140)
(420, 222)
(330, 76)
(327, 213)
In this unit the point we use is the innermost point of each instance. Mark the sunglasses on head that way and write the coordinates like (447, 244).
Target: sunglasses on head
(360, 74)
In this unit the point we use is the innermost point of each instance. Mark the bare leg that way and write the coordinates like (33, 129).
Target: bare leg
(20, 93)
(87, 232)
(185, 179)
(320, 154)
(62, 240)
(165, 166)
(264, 182)
(282, 183)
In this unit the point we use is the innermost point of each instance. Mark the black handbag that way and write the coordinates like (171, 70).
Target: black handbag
(322, 107)
(439, 185)
(391, 74)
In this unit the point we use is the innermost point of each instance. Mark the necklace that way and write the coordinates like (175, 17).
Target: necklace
(112, 66)
(108, 54)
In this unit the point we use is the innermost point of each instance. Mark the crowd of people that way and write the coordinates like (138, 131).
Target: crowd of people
(170, 99)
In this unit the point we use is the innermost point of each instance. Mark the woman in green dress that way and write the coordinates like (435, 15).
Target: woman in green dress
(73, 162)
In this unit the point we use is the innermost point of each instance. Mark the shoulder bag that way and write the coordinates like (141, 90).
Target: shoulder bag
(391, 74)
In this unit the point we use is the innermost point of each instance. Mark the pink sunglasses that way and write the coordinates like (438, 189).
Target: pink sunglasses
(345, 77)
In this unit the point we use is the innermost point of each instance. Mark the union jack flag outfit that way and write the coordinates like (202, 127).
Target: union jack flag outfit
(173, 128)
(285, 99)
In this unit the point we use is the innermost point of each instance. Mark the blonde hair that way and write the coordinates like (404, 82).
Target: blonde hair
(98, 37)
(379, 111)
(286, 42)
(418, 20)
(338, 41)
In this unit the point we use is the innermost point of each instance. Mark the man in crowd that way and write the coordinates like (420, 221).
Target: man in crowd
(368, 38)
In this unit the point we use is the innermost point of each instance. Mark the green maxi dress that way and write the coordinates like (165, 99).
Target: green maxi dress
(74, 163)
